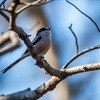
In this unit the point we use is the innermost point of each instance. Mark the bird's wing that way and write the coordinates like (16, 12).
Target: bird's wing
(35, 40)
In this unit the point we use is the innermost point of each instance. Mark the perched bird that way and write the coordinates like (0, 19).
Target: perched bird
(41, 42)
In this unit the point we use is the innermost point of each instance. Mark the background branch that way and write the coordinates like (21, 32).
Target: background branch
(76, 39)
(79, 54)
(4, 15)
(1, 10)
(35, 3)
(8, 42)
(85, 15)
(3, 3)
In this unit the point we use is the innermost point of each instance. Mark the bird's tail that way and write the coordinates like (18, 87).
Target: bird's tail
(14, 63)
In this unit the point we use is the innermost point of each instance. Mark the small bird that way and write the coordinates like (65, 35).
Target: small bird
(41, 42)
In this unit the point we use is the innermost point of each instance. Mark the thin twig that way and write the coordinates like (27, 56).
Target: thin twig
(3, 3)
(4, 15)
(79, 54)
(76, 39)
(46, 2)
(35, 3)
(5, 10)
(39, 3)
(27, 6)
(85, 15)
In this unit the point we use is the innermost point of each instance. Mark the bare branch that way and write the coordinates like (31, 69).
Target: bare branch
(3, 3)
(4, 15)
(82, 68)
(58, 75)
(39, 2)
(8, 42)
(5, 10)
(76, 39)
(35, 94)
(79, 54)
(50, 84)
(11, 9)
(85, 15)
(46, 1)
(35, 3)
(27, 6)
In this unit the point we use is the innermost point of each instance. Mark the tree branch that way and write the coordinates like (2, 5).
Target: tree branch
(76, 39)
(79, 54)
(58, 75)
(40, 60)
(1, 12)
(50, 84)
(4, 15)
(85, 15)
(8, 42)
(35, 3)
(82, 68)
(3, 3)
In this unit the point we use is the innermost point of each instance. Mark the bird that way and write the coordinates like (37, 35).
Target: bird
(41, 42)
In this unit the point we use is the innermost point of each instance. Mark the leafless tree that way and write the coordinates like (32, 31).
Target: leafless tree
(57, 75)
